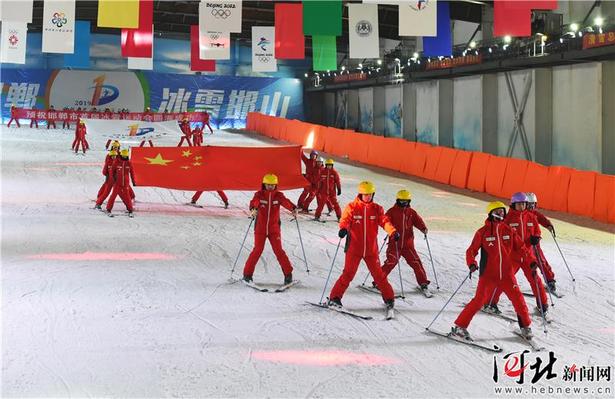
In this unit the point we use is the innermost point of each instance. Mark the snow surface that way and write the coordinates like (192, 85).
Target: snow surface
(116, 307)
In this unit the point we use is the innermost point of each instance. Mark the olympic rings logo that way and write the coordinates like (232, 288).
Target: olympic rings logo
(220, 13)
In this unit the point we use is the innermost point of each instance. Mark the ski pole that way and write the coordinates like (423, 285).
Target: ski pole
(449, 299)
(241, 248)
(561, 253)
(542, 269)
(542, 311)
(307, 268)
(401, 282)
(379, 252)
(330, 270)
(432, 265)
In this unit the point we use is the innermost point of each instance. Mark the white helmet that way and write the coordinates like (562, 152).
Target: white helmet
(531, 197)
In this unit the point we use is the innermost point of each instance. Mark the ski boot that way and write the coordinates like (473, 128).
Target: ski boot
(424, 287)
(390, 304)
(247, 279)
(551, 285)
(288, 278)
(226, 205)
(374, 286)
(192, 202)
(99, 207)
(493, 309)
(545, 308)
(526, 333)
(460, 332)
(335, 303)
(130, 214)
(317, 219)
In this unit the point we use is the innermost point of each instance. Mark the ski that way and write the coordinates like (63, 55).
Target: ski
(254, 286)
(373, 290)
(319, 220)
(342, 310)
(425, 292)
(555, 294)
(109, 214)
(389, 313)
(284, 287)
(529, 341)
(494, 348)
(195, 205)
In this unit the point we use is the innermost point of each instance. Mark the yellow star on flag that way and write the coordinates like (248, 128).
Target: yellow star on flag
(198, 157)
(186, 153)
(185, 167)
(197, 164)
(158, 160)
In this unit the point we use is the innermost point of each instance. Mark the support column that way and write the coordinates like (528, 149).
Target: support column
(409, 112)
(608, 117)
(490, 114)
(445, 114)
(379, 110)
(543, 84)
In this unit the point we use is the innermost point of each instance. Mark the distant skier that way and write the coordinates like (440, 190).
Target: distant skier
(532, 204)
(66, 119)
(265, 207)
(107, 171)
(311, 174)
(184, 125)
(405, 219)
(360, 221)
(206, 122)
(14, 116)
(34, 120)
(329, 187)
(123, 174)
(80, 132)
(498, 243)
(50, 117)
(197, 136)
(221, 193)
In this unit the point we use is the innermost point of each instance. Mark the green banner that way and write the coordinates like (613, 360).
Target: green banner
(324, 53)
(322, 18)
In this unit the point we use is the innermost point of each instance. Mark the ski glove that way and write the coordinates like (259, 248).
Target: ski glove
(473, 268)
(534, 240)
(253, 212)
(552, 230)
(339, 191)
(342, 233)
(396, 236)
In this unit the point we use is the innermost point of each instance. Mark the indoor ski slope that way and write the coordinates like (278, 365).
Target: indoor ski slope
(116, 307)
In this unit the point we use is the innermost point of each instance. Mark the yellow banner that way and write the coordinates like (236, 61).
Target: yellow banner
(118, 13)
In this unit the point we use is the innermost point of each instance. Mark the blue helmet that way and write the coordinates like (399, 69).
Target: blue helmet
(518, 197)
(314, 152)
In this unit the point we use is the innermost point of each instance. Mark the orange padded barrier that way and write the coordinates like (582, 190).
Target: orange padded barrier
(431, 162)
(581, 192)
(478, 171)
(514, 176)
(357, 145)
(461, 169)
(535, 182)
(445, 165)
(604, 199)
(416, 163)
(495, 175)
(388, 152)
(558, 182)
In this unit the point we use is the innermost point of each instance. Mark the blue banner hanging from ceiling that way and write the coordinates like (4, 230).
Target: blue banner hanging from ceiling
(228, 99)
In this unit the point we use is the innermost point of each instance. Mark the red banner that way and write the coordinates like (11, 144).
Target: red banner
(349, 77)
(591, 40)
(455, 62)
(138, 42)
(216, 168)
(196, 63)
(512, 18)
(289, 39)
(23, 113)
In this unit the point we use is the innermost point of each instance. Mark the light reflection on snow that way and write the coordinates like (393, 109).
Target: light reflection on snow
(324, 358)
(125, 256)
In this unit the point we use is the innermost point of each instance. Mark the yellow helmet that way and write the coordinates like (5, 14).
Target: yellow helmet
(81, 122)
(112, 153)
(367, 187)
(495, 205)
(115, 144)
(329, 162)
(125, 152)
(404, 195)
(270, 178)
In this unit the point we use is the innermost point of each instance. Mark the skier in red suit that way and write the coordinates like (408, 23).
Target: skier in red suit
(184, 125)
(34, 120)
(405, 219)
(197, 136)
(50, 120)
(13, 116)
(107, 171)
(123, 174)
(360, 221)
(329, 187)
(265, 207)
(498, 244)
(80, 133)
(525, 225)
(206, 122)
(532, 203)
(311, 174)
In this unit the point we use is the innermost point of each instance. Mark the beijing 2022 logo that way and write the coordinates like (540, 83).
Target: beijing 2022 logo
(59, 19)
(363, 28)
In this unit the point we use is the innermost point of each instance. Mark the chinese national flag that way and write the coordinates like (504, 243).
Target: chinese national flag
(216, 168)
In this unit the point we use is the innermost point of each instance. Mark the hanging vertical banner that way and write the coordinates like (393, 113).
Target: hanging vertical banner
(59, 26)
(263, 57)
(214, 45)
(442, 44)
(510, 18)
(363, 31)
(14, 36)
(322, 18)
(80, 58)
(118, 14)
(324, 53)
(139, 42)
(142, 63)
(289, 39)
(418, 18)
(16, 10)
(196, 63)
(220, 16)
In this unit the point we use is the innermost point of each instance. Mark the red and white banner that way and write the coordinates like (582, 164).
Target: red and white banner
(289, 39)
(196, 62)
(591, 40)
(13, 49)
(123, 129)
(23, 113)
(59, 26)
(139, 42)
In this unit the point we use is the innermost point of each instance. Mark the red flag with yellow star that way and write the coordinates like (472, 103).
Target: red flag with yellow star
(216, 168)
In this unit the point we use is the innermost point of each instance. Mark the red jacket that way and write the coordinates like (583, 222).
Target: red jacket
(123, 173)
(542, 219)
(404, 220)
(268, 204)
(80, 131)
(329, 182)
(524, 223)
(109, 165)
(185, 128)
(310, 167)
(362, 219)
(498, 244)
(14, 112)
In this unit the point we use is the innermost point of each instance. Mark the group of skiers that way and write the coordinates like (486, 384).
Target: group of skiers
(509, 241)
(118, 173)
(193, 137)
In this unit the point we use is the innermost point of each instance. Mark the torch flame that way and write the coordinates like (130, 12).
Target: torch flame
(309, 143)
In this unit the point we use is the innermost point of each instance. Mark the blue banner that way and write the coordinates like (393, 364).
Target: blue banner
(81, 55)
(227, 99)
(441, 45)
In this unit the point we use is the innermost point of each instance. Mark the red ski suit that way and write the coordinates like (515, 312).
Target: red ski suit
(107, 171)
(185, 128)
(221, 193)
(311, 174)
(328, 187)
(13, 117)
(405, 219)
(525, 225)
(545, 222)
(123, 174)
(51, 121)
(206, 123)
(268, 203)
(362, 219)
(197, 136)
(80, 132)
(498, 244)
